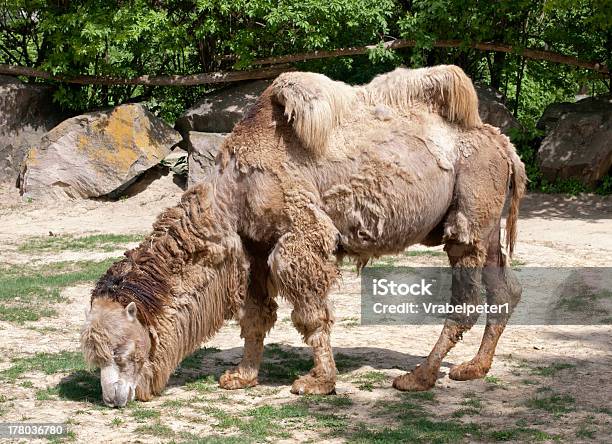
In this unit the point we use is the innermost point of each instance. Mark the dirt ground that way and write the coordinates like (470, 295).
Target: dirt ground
(548, 383)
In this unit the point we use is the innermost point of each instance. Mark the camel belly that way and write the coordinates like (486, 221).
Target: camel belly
(389, 197)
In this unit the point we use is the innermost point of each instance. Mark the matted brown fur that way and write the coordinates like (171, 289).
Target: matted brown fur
(315, 170)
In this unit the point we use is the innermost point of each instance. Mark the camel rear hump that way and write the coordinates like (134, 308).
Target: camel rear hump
(444, 89)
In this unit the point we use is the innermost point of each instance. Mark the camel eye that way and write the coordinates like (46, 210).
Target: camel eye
(118, 354)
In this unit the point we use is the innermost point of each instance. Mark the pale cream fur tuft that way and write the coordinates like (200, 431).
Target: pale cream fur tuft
(444, 89)
(316, 104)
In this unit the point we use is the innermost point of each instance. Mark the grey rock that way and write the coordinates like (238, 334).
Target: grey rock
(96, 154)
(219, 111)
(578, 140)
(27, 112)
(493, 111)
(202, 149)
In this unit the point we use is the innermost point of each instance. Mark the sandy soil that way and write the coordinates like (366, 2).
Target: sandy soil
(553, 231)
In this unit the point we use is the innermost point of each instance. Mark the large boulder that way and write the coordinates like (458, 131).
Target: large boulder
(578, 141)
(202, 150)
(219, 111)
(96, 154)
(27, 112)
(493, 111)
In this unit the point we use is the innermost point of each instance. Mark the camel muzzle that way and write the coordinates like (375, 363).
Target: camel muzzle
(115, 391)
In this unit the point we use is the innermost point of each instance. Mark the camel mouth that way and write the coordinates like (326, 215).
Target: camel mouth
(116, 391)
(120, 395)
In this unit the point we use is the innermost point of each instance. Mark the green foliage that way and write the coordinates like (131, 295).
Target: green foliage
(141, 37)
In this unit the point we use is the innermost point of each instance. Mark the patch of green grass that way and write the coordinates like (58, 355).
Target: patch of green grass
(472, 402)
(48, 363)
(490, 379)
(350, 322)
(81, 385)
(26, 292)
(176, 403)
(470, 406)
(465, 411)
(104, 242)
(421, 396)
(417, 429)
(69, 436)
(284, 365)
(194, 361)
(585, 432)
(206, 384)
(156, 429)
(367, 381)
(141, 414)
(27, 384)
(116, 422)
(552, 369)
(332, 401)
(191, 438)
(515, 263)
(424, 253)
(20, 314)
(47, 394)
(521, 434)
(345, 363)
(556, 404)
(583, 299)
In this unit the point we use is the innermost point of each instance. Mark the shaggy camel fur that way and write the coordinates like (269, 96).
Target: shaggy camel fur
(316, 170)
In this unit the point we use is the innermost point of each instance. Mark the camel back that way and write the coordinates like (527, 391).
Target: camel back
(316, 104)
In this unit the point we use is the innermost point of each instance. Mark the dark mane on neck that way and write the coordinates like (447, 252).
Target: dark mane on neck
(145, 285)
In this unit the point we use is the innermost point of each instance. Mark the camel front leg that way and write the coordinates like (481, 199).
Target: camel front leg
(315, 323)
(303, 269)
(256, 318)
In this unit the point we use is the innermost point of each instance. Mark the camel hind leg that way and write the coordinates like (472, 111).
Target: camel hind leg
(503, 291)
(471, 234)
(466, 262)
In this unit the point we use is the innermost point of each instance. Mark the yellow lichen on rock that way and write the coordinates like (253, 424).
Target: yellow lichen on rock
(95, 154)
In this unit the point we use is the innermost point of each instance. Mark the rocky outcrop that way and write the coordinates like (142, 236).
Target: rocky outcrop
(96, 154)
(202, 149)
(578, 141)
(219, 111)
(27, 112)
(493, 111)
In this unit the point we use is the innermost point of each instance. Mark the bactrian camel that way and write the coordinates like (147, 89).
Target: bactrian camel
(316, 170)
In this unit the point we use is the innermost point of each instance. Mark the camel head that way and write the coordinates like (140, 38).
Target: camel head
(114, 340)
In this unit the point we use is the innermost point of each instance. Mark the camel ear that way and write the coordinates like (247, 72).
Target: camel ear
(130, 311)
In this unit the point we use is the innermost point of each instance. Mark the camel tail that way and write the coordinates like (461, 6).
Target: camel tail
(518, 182)
(444, 89)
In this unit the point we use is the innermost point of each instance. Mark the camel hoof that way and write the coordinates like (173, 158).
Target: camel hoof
(467, 371)
(413, 382)
(311, 385)
(234, 379)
